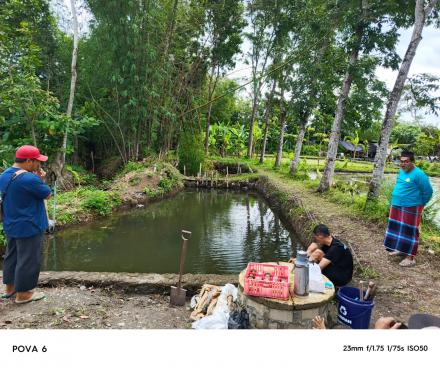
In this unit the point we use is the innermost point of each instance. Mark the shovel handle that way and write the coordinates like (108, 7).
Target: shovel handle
(187, 233)
(183, 255)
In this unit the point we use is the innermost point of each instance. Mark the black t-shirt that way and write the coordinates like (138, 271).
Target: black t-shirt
(340, 270)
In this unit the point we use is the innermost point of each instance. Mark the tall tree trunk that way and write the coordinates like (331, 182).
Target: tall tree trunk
(267, 120)
(34, 136)
(332, 151)
(60, 158)
(251, 125)
(298, 145)
(211, 88)
(282, 129)
(75, 157)
(421, 14)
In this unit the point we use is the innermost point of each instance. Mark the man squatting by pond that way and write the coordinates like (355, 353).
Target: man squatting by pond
(24, 222)
(410, 194)
(333, 257)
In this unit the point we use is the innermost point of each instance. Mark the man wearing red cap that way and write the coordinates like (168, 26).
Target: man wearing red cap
(24, 222)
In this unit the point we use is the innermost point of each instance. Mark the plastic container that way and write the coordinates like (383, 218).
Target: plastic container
(352, 312)
(268, 289)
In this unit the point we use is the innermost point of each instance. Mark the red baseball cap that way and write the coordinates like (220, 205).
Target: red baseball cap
(30, 153)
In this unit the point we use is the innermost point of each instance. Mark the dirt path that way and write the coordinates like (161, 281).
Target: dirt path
(89, 308)
(402, 291)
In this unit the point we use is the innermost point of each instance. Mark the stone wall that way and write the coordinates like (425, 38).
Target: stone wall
(262, 316)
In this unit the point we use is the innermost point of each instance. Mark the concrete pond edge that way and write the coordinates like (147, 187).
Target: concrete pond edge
(141, 283)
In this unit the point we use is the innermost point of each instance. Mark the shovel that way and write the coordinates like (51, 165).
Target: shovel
(178, 295)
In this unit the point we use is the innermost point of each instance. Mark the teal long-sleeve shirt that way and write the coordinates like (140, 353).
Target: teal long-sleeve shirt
(412, 189)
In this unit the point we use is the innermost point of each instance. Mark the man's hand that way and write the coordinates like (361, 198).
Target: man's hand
(387, 323)
(41, 173)
(318, 323)
(316, 256)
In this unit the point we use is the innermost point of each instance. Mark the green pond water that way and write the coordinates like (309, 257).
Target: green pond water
(229, 229)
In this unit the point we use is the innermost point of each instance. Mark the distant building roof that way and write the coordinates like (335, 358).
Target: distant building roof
(350, 146)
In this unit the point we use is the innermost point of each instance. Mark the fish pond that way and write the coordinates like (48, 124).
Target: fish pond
(229, 229)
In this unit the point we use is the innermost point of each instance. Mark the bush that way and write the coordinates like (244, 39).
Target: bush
(132, 166)
(81, 176)
(191, 152)
(310, 150)
(166, 184)
(302, 171)
(424, 165)
(154, 192)
(99, 201)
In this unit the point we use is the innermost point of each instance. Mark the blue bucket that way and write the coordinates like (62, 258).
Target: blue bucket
(352, 312)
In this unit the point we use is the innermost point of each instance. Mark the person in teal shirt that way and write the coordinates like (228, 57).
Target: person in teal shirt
(411, 193)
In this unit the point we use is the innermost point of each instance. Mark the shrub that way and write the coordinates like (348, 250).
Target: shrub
(302, 171)
(134, 181)
(81, 176)
(191, 153)
(132, 166)
(99, 201)
(166, 184)
(154, 192)
(310, 150)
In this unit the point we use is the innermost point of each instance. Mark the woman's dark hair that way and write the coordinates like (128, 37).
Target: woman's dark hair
(20, 160)
(321, 230)
(408, 154)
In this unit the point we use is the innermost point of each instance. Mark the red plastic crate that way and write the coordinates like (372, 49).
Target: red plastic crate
(278, 289)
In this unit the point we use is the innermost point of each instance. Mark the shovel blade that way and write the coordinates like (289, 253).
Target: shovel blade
(177, 296)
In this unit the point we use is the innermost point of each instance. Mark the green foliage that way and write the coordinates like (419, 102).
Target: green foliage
(350, 187)
(166, 184)
(310, 150)
(81, 176)
(154, 193)
(191, 152)
(131, 166)
(220, 138)
(2, 237)
(425, 145)
(405, 133)
(368, 272)
(303, 170)
(99, 201)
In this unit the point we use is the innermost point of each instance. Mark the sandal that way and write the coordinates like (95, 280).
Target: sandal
(37, 296)
(408, 263)
(7, 296)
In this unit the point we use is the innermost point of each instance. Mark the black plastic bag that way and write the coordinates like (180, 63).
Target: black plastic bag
(238, 320)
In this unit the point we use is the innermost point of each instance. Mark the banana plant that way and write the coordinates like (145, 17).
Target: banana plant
(238, 139)
(355, 141)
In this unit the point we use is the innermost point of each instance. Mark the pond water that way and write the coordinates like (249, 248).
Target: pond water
(229, 229)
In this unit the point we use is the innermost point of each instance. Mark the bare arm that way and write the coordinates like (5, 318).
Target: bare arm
(324, 263)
